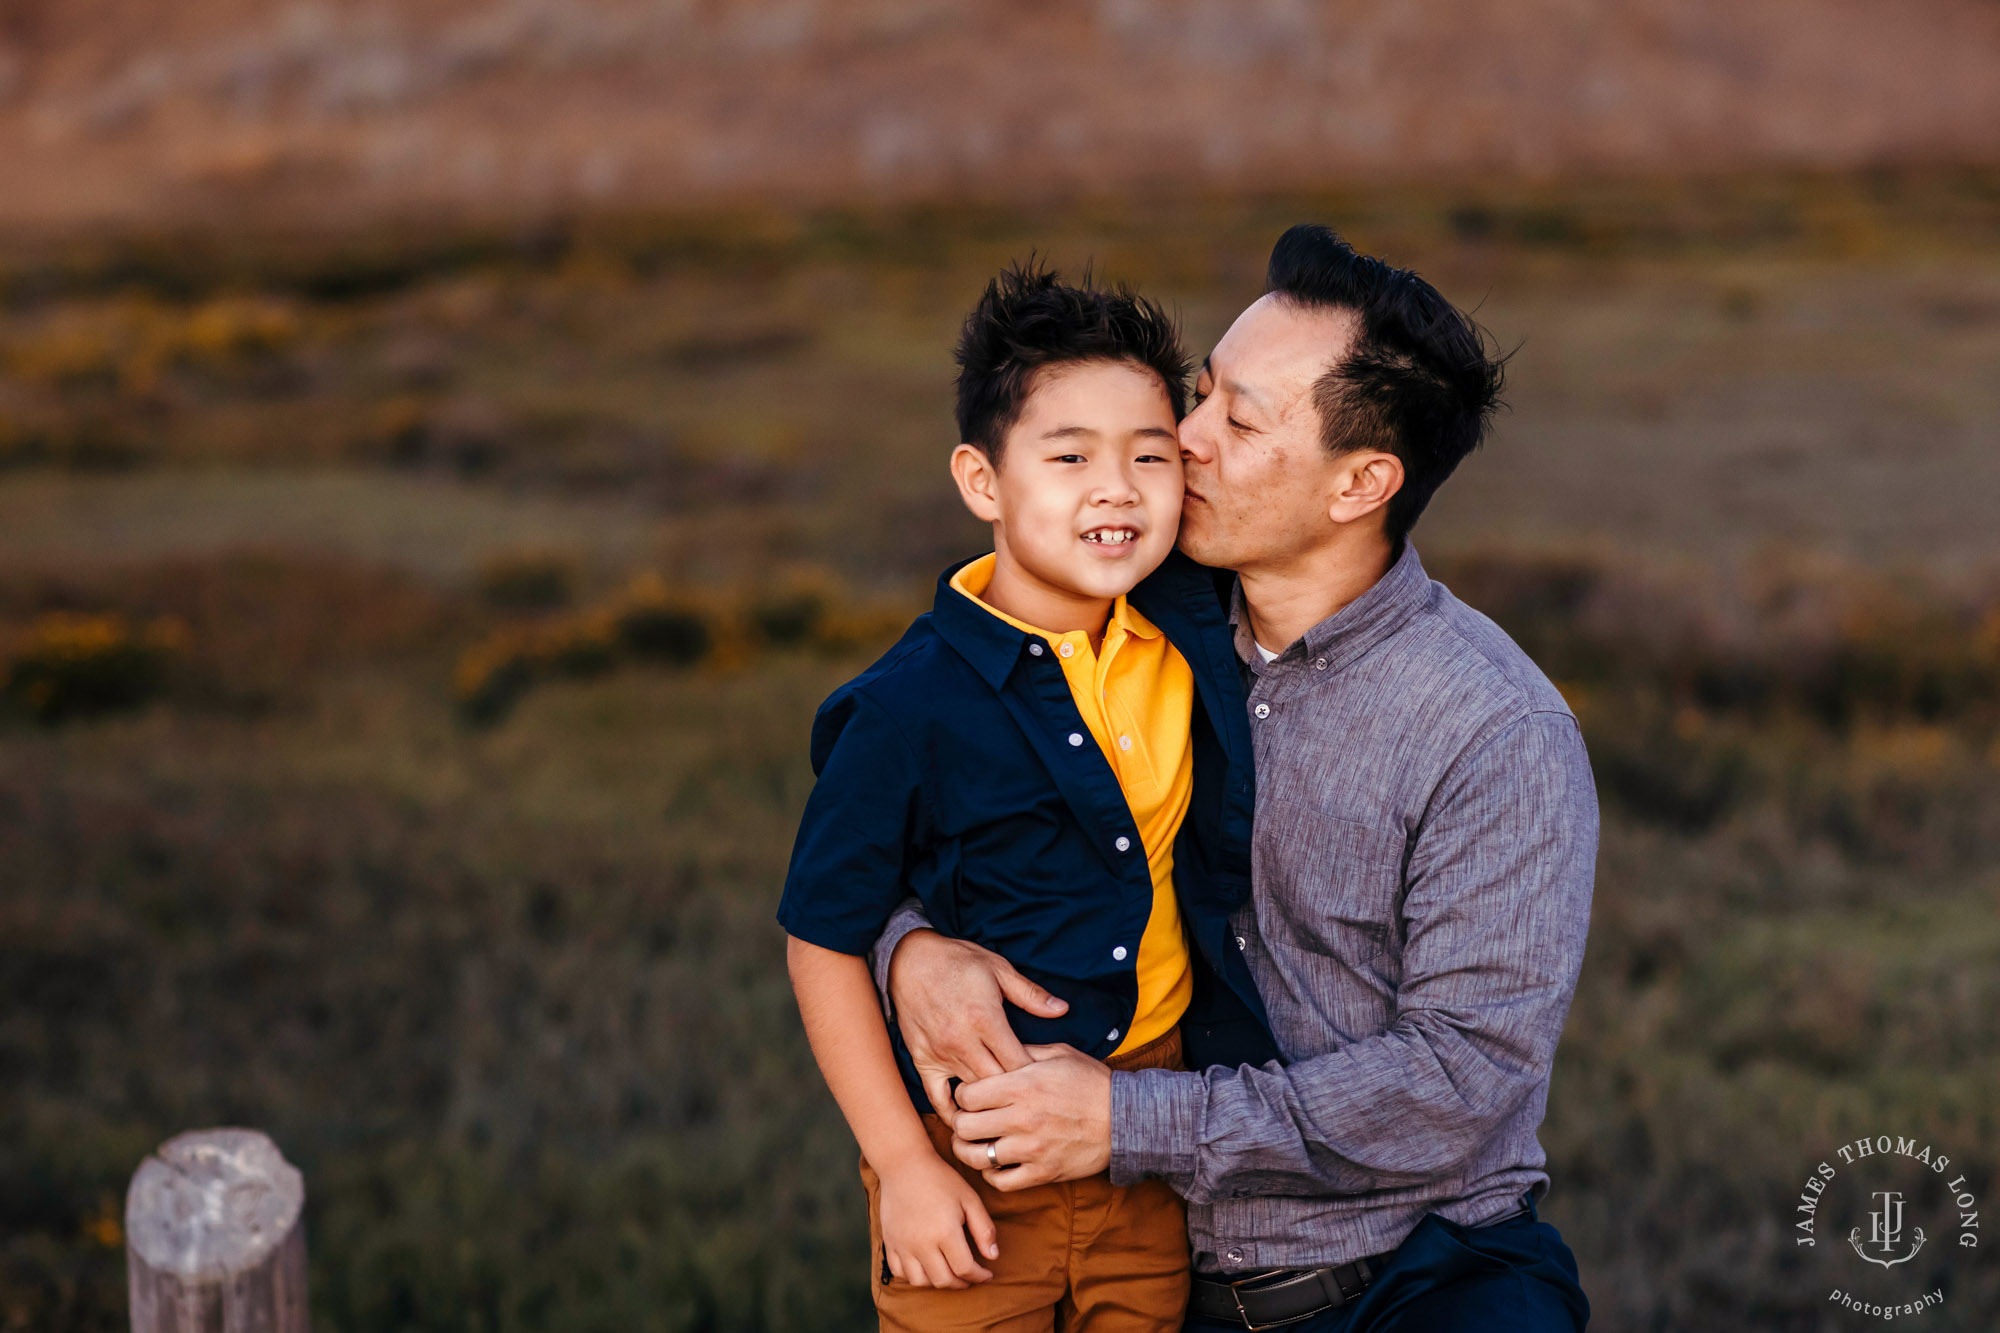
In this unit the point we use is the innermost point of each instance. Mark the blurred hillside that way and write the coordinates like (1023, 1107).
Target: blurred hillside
(329, 110)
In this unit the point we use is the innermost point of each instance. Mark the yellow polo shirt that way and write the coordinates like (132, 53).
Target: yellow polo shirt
(1136, 694)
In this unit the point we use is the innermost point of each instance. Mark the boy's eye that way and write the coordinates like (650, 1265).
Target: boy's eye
(1069, 458)
(1153, 458)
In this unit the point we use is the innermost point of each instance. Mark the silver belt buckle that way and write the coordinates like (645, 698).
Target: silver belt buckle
(1244, 1314)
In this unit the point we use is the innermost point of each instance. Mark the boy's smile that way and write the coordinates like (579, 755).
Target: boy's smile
(1085, 496)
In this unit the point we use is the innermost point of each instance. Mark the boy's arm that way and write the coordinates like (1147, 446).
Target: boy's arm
(850, 865)
(926, 1206)
(852, 1047)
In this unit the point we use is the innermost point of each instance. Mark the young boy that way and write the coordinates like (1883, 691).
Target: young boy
(1055, 763)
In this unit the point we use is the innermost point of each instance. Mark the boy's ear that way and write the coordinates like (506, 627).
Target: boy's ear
(978, 482)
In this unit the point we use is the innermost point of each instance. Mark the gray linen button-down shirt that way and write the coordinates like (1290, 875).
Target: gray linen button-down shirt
(1425, 842)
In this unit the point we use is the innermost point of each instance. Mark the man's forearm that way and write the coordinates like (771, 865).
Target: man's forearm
(1496, 908)
(1384, 1112)
(908, 916)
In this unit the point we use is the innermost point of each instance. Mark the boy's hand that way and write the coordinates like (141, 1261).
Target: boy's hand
(927, 1209)
(950, 998)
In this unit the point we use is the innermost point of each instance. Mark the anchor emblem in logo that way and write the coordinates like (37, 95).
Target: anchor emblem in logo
(1885, 1232)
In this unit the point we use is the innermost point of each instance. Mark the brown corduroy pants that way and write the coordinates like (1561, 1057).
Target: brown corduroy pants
(1080, 1256)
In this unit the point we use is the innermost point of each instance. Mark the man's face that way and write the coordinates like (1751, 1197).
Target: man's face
(1088, 489)
(1259, 480)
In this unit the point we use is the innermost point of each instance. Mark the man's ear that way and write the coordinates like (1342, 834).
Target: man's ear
(1366, 481)
(978, 482)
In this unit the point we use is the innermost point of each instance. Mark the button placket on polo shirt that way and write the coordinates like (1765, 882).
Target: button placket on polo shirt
(1133, 760)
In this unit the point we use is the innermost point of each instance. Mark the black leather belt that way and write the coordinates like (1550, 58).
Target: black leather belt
(1279, 1296)
(1282, 1296)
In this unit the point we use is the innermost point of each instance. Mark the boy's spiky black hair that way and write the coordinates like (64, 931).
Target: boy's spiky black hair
(1029, 319)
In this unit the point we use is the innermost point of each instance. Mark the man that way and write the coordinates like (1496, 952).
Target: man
(1423, 853)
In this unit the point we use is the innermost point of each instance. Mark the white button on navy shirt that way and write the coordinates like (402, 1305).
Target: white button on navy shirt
(1118, 954)
(1076, 738)
(1124, 844)
(1035, 648)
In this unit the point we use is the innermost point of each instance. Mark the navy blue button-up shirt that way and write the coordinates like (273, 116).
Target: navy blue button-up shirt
(946, 773)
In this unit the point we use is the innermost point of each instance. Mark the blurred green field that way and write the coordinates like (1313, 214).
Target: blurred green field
(508, 990)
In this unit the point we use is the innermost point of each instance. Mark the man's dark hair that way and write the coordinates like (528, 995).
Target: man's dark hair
(1419, 383)
(1029, 319)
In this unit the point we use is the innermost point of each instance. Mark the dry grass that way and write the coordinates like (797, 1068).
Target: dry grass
(512, 997)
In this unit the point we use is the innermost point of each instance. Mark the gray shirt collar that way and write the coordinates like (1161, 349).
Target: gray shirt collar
(1349, 632)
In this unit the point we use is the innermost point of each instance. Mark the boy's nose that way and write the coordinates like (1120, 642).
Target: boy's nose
(1120, 488)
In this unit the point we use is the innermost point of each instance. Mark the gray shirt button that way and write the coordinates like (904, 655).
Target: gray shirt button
(1263, 710)
(1233, 1255)
(1242, 943)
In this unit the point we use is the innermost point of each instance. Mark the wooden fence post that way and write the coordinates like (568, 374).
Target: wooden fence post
(215, 1241)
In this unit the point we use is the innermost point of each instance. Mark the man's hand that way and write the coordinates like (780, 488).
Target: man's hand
(1048, 1121)
(950, 999)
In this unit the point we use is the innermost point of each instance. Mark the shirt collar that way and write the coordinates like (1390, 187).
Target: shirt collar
(1126, 616)
(990, 639)
(1351, 631)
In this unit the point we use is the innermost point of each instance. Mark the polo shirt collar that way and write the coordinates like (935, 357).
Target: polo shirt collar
(992, 642)
(1126, 616)
(1357, 627)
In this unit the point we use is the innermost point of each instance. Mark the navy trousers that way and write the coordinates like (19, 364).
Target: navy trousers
(1511, 1277)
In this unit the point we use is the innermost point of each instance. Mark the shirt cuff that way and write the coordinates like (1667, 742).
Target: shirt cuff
(1154, 1115)
(906, 918)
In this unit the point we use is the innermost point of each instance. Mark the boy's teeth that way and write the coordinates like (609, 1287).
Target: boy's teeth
(1109, 538)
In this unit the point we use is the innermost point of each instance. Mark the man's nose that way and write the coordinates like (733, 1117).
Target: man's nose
(1195, 445)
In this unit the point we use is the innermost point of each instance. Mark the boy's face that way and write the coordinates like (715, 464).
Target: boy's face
(1087, 493)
